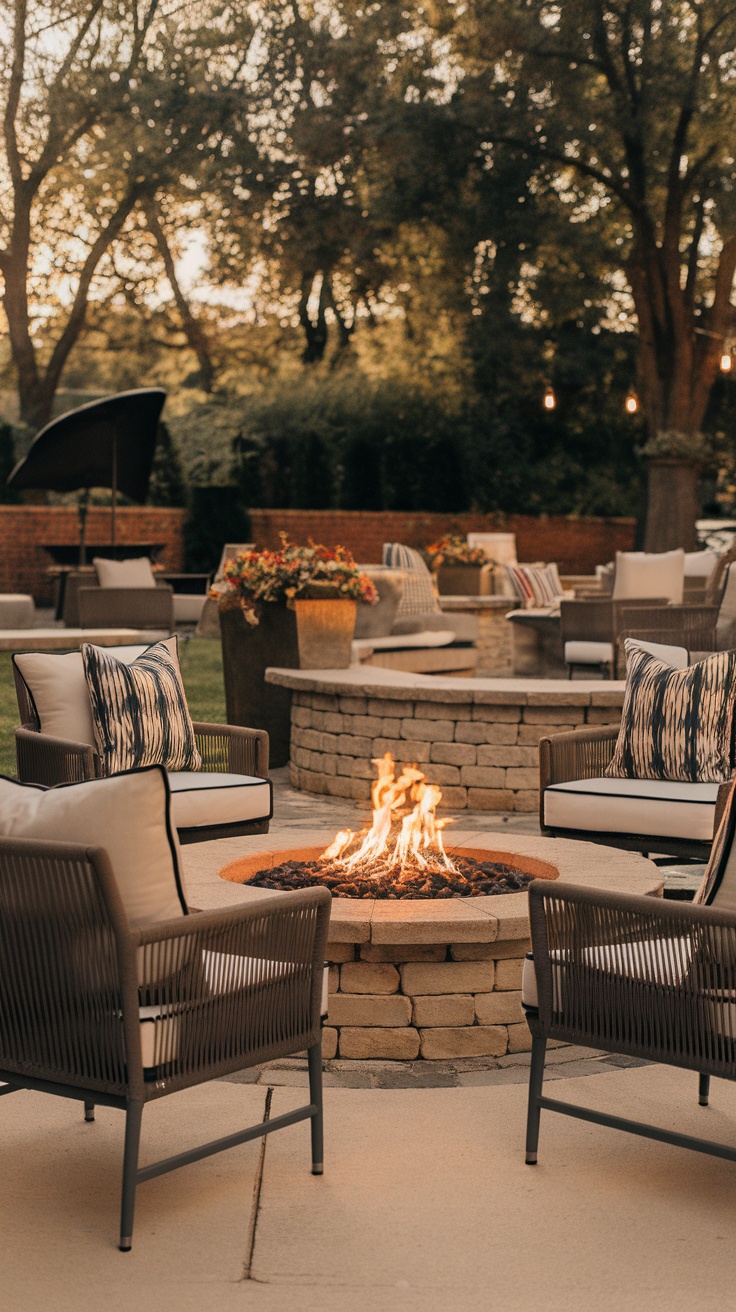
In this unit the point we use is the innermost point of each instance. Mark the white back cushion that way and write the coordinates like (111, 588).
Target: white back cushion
(641, 574)
(677, 657)
(127, 814)
(700, 564)
(58, 689)
(136, 573)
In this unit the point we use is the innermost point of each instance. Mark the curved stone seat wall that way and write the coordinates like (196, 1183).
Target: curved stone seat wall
(478, 736)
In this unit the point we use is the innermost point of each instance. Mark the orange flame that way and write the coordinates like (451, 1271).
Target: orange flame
(408, 838)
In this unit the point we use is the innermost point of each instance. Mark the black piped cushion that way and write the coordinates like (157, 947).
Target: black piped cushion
(675, 724)
(139, 711)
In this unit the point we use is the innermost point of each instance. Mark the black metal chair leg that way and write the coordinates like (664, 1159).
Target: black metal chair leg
(89, 1110)
(314, 1058)
(704, 1090)
(536, 1076)
(133, 1118)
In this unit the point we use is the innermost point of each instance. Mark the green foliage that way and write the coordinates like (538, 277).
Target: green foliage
(216, 516)
(167, 486)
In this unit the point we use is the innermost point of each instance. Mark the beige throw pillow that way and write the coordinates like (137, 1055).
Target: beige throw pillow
(58, 689)
(136, 573)
(128, 815)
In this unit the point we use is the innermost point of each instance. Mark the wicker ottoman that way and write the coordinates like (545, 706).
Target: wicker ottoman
(17, 611)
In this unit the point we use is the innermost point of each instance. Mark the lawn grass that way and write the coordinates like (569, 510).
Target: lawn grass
(201, 668)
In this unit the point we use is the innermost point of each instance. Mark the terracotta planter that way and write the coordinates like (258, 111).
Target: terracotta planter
(325, 630)
(308, 634)
(465, 580)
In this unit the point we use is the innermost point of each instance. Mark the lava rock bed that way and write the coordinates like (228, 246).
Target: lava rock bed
(471, 879)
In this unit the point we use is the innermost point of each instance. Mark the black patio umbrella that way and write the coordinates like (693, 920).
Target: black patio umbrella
(107, 443)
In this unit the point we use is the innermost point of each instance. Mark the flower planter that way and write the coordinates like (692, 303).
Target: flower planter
(325, 628)
(465, 580)
(304, 634)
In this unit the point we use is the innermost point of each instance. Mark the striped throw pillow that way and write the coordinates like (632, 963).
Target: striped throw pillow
(139, 711)
(418, 594)
(675, 724)
(535, 585)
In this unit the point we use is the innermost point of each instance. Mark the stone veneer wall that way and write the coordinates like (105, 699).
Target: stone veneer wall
(483, 754)
(425, 1000)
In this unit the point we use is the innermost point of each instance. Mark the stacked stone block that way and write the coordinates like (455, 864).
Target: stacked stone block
(425, 1000)
(482, 753)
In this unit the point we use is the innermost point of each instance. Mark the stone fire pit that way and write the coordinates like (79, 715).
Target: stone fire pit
(442, 979)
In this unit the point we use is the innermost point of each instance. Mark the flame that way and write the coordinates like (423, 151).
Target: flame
(405, 831)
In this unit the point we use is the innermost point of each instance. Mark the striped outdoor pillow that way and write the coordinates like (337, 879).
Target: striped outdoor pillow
(675, 724)
(418, 595)
(535, 585)
(139, 711)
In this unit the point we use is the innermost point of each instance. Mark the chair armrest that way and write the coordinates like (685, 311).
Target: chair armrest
(42, 759)
(577, 754)
(634, 974)
(229, 747)
(233, 987)
(127, 607)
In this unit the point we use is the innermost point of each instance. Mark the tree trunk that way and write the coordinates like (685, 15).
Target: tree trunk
(673, 505)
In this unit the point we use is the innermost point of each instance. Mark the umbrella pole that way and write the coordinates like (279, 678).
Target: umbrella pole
(82, 512)
(114, 490)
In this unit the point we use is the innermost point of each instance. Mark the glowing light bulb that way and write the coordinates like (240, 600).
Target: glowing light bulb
(632, 403)
(726, 362)
(549, 400)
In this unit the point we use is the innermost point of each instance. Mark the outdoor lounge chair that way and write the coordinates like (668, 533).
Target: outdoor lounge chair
(225, 990)
(230, 795)
(577, 800)
(699, 628)
(638, 976)
(590, 627)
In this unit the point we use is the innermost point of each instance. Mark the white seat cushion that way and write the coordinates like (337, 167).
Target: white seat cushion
(212, 798)
(652, 961)
(588, 653)
(633, 806)
(225, 973)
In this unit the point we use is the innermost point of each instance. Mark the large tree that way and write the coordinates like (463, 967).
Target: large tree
(633, 102)
(108, 105)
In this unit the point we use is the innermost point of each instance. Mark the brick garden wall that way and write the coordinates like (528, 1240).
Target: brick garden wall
(24, 530)
(577, 545)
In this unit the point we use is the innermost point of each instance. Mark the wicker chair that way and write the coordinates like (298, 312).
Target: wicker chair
(632, 975)
(590, 627)
(583, 754)
(230, 989)
(224, 748)
(88, 606)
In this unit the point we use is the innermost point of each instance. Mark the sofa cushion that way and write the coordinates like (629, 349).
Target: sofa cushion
(656, 807)
(135, 573)
(57, 688)
(139, 710)
(212, 798)
(676, 724)
(641, 574)
(418, 595)
(127, 814)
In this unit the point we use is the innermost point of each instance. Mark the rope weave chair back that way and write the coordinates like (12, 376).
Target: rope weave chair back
(659, 983)
(61, 1003)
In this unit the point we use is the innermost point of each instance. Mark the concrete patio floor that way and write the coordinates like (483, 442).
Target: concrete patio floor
(425, 1202)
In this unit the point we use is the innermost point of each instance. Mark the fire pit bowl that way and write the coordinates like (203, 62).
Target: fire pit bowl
(440, 978)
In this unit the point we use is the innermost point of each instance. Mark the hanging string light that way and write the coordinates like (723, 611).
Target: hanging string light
(632, 402)
(549, 400)
(726, 361)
